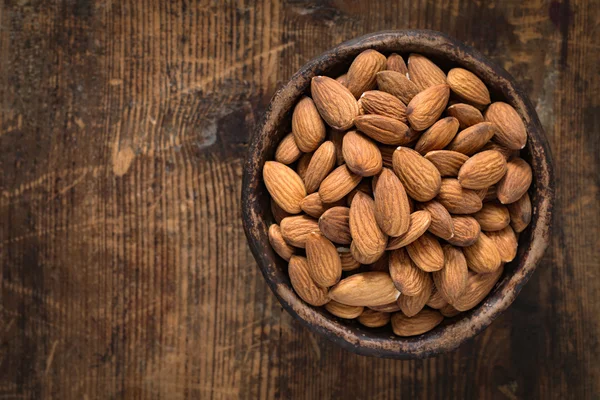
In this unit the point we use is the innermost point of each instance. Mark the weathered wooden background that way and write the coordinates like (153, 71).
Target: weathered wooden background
(124, 267)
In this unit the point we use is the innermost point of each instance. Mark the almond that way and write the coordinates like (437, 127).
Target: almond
(280, 246)
(449, 311)
(520, 213)
(362, 74)
(466, 230)
(468, 86)
(441, 220)
(365, 289)
(335, 225)
(337, 138)
(382, 103)
(307, 126)
(364, 186)
(424, 73)
(387, 154)
(423, 322)
(407, 278)
(295, 229)
(515, 182)
(338, 184)
(436, 300)
(482, 170)
(427, 106)
(382, 264)
(324, 264)
(278, 212)
(438, 135)
(348, 262)
(420, 177)
(302, 164)
(411, 305)
(287, 151)
(361, 154)
(506, 243)
(478, 287)
(466, 114)
(505, 151)
(397, 84)
(395, 62)
(447, 162)
(303, 284)
(492, 217)
(367, 238)
(426, 253)
(335, 103)
(384, 129)
(419, 223)
(451, 281)
(374, 319)
(284, 186)
(482, 256)
(388, 308)
(472, 139)
(490, 194)
(391, 204)
(313, 206)
(343, 311)
(343, 79)
(457, 199)
(511, 133)
(321, 163)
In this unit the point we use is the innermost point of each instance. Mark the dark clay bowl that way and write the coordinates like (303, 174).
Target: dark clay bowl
(446, 53)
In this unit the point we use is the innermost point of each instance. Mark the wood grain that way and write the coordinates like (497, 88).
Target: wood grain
(124, 266)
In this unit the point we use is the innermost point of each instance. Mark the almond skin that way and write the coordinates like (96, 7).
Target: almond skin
(515, 182)
(482, 256)
(324, 264)
(361, 154)
(338, 184)
(392, 210)
(447, 162)
(278, 212)
(365, 289)
(367, 238)
(482, 170)
(335, 102)
(388, 308)
(490, 194)
(362, 74)
(436, 300)
(343, 311)
(451, 281)
(449, 311)
(407, 278)
(343, 79)
(364, 186)
(412, 305)
(295, 229)
(313, 206)
(348, 262)
(420, 177)
(303, 284)
(457, 199)
(478, 287)
(466, 114)
(506, 243)
(424, 73)
(419, 223)
(384, 129)
(520, 213)
(395, 62)
(337, 138)
(321, 163)
(374, 319)
(307, 126)
(397, 84)
(492, 217)
(466, 230)
(382, 103)
(472, 139)
(511, 133)
(426, 253)
(302, 164)
(423, 322)
(505, 151)
(287, 151)
(468, 86)
(441, 220)
(438, 135)
(284, 186)
(279, 244)
(427, 106)
(335, 225)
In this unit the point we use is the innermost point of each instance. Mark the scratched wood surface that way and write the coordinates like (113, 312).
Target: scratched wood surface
(124, 267)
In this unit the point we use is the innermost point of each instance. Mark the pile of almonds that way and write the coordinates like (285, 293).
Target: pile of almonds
(399, 193)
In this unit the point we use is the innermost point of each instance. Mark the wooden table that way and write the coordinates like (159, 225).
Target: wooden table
(125, 270)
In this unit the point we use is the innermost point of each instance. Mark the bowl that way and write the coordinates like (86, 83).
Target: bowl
(446, 52)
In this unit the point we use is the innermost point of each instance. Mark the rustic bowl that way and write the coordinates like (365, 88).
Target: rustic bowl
(446, 52)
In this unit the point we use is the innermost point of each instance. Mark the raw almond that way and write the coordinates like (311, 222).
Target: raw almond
(335, 225)
(490, 194)
(468, 86)
(362, 74)
(343, 79)
(478, 287)
(423, 322)
(284, 186)
(324, 264)
(337, 138)
(420, 177)
(348, 262)
(482, 170)
(395, 62)
(397, 84)
(505, 151)
(466, 230)
(408, 279)
(388, 308)
(296, 228)
(374, 319)
(307, 126)
(427, 106)
(278, 212)
(424, 73)
(382, 264)
(365, 289)
(313, 206)
(321, 163)
(303, 284)
(480, 192)
(302, 164)
(364, 186)
(506, 243)
(387, 154)
(338, 184)
(419, 223)
(482, 256)
(279, 244)
(441, 220)
(515, 182)
(391, 204)
(438, 135)
(492, 217)
(335, 103)
(466, 114)
(469, 141)
(382, 103)
(343, 311)
(520, 213)
(361, 154)
(367, 238)
(426, 253)
(411, 305)
(449, 311)
(451, 281)
(384, 129)
(457, 199)
(511, 133)
(436, 300)
(447, 162)
(287, 151)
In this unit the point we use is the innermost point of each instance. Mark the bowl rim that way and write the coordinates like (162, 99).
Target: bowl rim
(443, 338)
